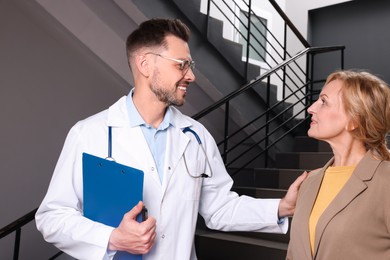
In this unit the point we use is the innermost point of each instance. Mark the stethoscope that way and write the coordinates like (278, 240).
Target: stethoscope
(185, 130)
(201, 175)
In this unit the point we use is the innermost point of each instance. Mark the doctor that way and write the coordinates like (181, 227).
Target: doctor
(147, 133)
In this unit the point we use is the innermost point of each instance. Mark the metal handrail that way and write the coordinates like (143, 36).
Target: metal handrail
(230, 16)
(289, 23)
(305, 101)
(12, 227)
(16, 226)
(239, 91)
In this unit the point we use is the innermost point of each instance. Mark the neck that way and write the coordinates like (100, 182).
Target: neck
(150, 109)
(348, 155)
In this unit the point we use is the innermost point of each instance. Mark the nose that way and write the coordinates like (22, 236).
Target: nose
(189, 75)
(311, 108)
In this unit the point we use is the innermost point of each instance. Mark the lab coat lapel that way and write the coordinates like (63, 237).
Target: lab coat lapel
(352, 189)
(129, 144)
(140, 150)
(177, 143)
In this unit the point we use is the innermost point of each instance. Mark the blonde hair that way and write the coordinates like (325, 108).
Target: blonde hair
(366, 100)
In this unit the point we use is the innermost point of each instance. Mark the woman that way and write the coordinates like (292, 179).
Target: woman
(343, 209)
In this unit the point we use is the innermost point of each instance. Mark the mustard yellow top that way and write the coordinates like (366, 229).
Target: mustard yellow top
(334, 179)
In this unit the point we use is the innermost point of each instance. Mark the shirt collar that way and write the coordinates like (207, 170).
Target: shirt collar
(135, 118)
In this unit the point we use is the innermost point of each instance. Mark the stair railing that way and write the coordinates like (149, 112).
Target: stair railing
(284, 71)
(278, 123)
(16, 227)
(275, 49)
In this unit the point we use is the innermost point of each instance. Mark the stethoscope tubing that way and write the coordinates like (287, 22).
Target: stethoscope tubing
(185, 130)
(202, 175)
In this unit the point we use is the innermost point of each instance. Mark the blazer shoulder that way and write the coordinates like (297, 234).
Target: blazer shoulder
(384, 169)
(315, 172)
(385, 164)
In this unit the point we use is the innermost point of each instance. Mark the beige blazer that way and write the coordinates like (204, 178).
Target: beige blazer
(356, 224)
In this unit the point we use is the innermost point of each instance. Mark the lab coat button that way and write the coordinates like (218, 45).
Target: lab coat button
(152, 168)
(162, 236)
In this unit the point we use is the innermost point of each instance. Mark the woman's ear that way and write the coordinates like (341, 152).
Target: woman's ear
(351, 126)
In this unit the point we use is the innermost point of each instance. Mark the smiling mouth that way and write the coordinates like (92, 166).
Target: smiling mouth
(182, 88)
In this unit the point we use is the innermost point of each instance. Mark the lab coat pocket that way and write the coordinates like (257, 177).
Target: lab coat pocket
(195, 160)
(194, 167)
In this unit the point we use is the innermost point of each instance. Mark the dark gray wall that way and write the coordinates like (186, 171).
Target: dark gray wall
(47, 82)
(362, 26)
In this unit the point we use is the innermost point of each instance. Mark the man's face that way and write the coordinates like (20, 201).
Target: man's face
(169, 80)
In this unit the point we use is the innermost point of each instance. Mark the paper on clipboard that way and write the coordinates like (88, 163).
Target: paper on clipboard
(110, 190)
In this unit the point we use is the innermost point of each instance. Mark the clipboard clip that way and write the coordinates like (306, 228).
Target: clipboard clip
(109, 157)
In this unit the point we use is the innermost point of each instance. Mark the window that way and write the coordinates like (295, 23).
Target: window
(257, 37)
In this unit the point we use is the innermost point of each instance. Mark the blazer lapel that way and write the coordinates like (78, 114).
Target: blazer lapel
(309, 198)
(352, 189)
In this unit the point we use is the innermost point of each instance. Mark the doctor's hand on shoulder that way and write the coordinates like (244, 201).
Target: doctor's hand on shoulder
(287, 203)
(132, 236)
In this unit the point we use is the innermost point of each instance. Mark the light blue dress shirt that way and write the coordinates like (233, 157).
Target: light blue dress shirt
(156, 138)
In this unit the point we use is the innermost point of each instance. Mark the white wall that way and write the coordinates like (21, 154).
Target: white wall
(297, 11)
(48, 81)
(261, 8)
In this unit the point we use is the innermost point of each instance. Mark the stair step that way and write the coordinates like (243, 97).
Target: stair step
(201, 225)
(212, 245)
(302, 160)
(260, 192)
(267, 178)
(308, 144)
(287, 177)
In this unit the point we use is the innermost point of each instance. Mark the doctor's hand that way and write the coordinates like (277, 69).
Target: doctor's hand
(132, 236)
(288, 203)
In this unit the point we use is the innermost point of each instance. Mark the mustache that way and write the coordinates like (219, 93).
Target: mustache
(184, 82)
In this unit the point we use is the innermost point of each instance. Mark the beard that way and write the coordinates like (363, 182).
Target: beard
(167, 96)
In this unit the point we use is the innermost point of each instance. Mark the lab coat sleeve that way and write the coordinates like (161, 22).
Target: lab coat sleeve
(60, 216)
(225, 210)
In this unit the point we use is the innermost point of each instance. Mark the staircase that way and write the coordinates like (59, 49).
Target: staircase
(308, 154)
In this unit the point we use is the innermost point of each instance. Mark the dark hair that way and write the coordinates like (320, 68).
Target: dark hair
(153, 32)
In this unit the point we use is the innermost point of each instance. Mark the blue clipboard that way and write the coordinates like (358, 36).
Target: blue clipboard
(110, 190)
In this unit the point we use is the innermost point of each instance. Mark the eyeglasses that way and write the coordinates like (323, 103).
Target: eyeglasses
(184, 65)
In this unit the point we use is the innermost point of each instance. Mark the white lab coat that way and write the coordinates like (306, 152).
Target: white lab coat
(175, 203)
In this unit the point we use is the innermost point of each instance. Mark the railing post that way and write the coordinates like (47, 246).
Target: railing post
(307, 88)
(17, 243)
(266, 121)
(226, 132)
(312, 77)
(284, 58)
(208, 18)
(248, 42)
